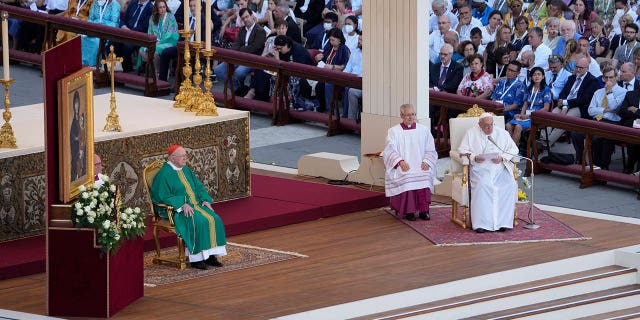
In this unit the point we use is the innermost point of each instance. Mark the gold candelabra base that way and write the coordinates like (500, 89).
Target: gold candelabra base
(196, 98)
(7, 138)
(208, 104)
(185, 93)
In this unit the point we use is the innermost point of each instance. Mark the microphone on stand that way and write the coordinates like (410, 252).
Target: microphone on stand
(531, 224)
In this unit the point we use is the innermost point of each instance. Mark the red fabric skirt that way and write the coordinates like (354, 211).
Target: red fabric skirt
(411, 202)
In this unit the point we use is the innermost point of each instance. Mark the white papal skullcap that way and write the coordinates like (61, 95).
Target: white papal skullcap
(486, 115)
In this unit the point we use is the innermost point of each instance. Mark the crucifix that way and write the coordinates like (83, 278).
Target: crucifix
(113, 122)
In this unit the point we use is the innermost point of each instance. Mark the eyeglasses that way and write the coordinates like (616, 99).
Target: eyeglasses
(445, 53)
(512, 70)
(408, 114)
(580, 68)
(608, 77)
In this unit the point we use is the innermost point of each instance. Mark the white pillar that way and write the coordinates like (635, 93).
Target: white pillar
(395, 71)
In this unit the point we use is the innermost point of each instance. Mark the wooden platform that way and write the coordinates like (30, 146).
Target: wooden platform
(351, 257)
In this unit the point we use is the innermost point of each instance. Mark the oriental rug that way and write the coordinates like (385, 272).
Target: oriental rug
(239, 256)
(442, 232)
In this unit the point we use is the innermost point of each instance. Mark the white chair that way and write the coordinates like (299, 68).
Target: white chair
(460, 187)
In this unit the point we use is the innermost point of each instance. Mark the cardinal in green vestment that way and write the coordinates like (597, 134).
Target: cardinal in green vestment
(196, 223)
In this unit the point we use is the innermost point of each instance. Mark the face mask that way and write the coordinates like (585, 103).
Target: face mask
(619, 12)
(102, 2)
(348, 28)
(326, 26)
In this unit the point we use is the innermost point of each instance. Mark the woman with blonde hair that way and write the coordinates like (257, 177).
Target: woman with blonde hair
(571, 54)
(503, 37)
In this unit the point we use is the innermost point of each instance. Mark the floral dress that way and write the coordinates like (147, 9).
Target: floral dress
(536, 101)
(471, 86)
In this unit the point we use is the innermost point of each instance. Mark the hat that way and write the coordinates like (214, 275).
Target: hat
(173, 148)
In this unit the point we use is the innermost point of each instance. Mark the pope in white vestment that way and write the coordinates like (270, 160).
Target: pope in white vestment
(493, 188)
(410, 163)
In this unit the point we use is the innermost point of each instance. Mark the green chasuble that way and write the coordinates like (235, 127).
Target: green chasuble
(202, 231)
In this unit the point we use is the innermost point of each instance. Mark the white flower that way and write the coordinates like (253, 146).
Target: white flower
(104, 178)
(79, 212)
(112, 188)
(128, 210)
(95, 193)
(124, 216)
(82, 188)
(133, 223)
(136, 210)
(78, 205)
(90, 219)
(106, 224)
(91, 215)
(85, 195)
(117, 236)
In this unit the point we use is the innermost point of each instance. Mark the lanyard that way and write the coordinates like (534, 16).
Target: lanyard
(505, 92)
(103, 9)
(533, 99)
(80, 5)
(627, 55)
(498, 73)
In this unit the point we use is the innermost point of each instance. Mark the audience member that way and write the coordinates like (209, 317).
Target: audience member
(136, 18)
(537, 10)
(482, 11)
(557, 75)
(510, 91)
(466, 23)
(624, 53)
(334, 57)
(446, 74)
(293, 31)
(476, 38)
(410, 165)
(538, 96)
(542, 52)
(628, 79)
(622, 8)
(568, 32)
(351, 32)
(501, 41)
(598, 41)
(439, 9)
(351, 105)
(467, 49)
(477, 83)
(436, 38)
(618, 39)
(490, 30)
(515, 12)
(583, 16)
(630, 112)
(520, 37)
(330, 22)
(551, 38)
(493, 188)
(163, 25)
(104, 12)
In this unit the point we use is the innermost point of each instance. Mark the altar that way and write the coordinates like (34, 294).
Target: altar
(218, 153)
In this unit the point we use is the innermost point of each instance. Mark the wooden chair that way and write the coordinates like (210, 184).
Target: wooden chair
(162, 224)
(460, 186)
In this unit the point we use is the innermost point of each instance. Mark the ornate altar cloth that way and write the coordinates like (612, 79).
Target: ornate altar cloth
(218, 146)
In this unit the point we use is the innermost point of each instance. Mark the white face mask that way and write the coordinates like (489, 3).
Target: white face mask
(347, 28)
(326, 26)
(102, 2)
(619, 12)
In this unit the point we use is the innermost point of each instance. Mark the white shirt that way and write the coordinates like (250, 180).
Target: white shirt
(436, 40)
(614, 100)
(57, 5)
(465, 30)
(542, 53)
(433, 20)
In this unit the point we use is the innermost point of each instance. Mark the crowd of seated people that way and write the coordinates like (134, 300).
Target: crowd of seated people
(579, 58)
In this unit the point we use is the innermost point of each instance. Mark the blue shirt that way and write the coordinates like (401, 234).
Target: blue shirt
(537, 100)
(558, 85)
(484, 16)
(509, 92)
(355, 63)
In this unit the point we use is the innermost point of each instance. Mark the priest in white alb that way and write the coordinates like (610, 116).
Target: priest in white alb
(410, 162)
(493, 187)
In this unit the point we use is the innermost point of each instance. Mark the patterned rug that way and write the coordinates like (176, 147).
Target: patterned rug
(442, 232)
(239, 256)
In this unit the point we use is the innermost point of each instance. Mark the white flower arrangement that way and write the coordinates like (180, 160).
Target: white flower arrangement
(99, 207)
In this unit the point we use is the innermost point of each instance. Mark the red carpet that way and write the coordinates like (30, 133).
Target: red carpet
(274, 202)
(441, 231)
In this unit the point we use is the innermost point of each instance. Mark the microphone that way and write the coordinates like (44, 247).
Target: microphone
(531, 224)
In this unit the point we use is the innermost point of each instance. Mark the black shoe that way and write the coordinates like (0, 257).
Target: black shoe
(480, 230)
(199, 265)
(503, 229)
(213, 261)
(425, 216)
(410, 217)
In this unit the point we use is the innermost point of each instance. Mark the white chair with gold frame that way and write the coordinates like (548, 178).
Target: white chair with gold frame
(460, 186)
(161, 224)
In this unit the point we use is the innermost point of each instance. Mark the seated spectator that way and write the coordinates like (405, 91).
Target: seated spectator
(482, 12)
(436, 38)
(250, 39)
(527, 61)
(320, 41)
(510, 91)
(598, 41)
(351, 32)
(477, 83)
(555, 8)
(334, 57)
(557, 75)
(537, 10)
(571, 55)
(259, 86)
(476, 38)
(604, 107)
(106, 13)
(520, 37)
(515, 12)
(234, 19)
(551, 38)
(466, 23)
(624, 53)
(78, 10)
(542, 52)
(538, 96)
(490, 30)
(603, 64)
(618, 39)
(31, 35)
(627, 77)
(622, 8)
(502, 41)
(352, 105)
(135, 18)
(466, 49)
(446, 74)
(629, 112)
(568, 32)
(293, 31)
(583, 16)
(163, 25)
(439, 8)
(451, 37)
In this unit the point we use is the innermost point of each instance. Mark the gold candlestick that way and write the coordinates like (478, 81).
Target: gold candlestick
(113, 120)
(196, 100)
(185, 92)
(7, 139)
(208, 104)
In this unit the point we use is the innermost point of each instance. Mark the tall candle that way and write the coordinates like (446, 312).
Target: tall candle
(198, 26)
(207, 25)
(187, 9)
(5, 45)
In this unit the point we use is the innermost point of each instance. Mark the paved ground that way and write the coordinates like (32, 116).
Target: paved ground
(282, 146)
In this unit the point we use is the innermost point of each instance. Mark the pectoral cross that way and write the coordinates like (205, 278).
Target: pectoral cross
(113, 123)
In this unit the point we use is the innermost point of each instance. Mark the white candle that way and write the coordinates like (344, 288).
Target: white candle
(198, 27)
(207, 25)
(5, 46)
(187, 22)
